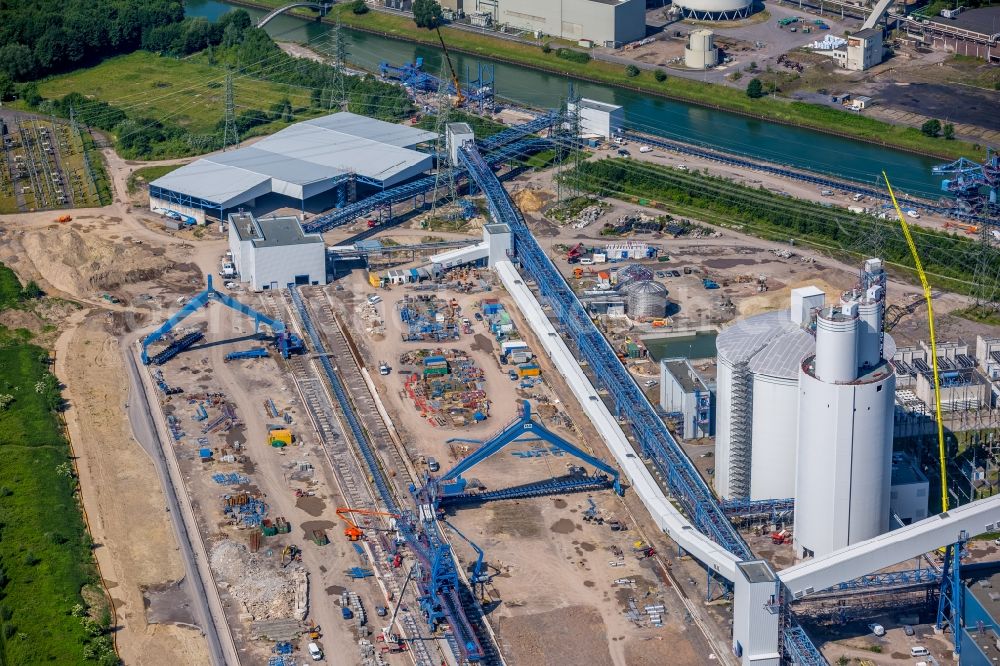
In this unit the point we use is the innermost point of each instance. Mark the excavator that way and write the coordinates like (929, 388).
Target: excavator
(967, 228)
(460, 99)
(352, 531)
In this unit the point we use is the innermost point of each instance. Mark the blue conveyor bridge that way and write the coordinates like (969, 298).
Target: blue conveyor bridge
(450, 488)
(286, 342)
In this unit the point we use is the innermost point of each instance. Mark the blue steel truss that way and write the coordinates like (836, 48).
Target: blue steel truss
(200, 301)
(523, 428)
(949, 614)
(800, 647)
(440, 588)
(891, 579)
(517, 132)
(741, 508)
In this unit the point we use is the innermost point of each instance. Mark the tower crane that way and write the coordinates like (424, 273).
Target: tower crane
(451, 68)
(352, 531)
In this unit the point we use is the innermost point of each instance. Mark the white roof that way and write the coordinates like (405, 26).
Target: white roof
(774, 344)
(305, 159)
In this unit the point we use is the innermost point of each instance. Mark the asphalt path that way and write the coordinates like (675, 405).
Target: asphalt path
(198, 582)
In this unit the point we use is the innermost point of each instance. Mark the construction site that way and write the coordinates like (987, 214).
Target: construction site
(582, 429)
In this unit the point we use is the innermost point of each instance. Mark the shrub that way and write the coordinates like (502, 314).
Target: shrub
(546, 48)
(948, 131)
(574, 56)
(660, 76)
(755, 89)
(631, 71)
(932, 127)
(359, 7)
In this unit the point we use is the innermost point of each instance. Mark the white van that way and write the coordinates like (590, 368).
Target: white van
(919, 651)
(374, 299)
(315, 652)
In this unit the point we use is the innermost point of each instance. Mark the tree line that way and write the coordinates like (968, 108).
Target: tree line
(777, 216)
(41, 37)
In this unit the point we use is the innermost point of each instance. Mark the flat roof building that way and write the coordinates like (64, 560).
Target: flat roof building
(331, 154)
(684, 391)
(271, 253)
(603, 22)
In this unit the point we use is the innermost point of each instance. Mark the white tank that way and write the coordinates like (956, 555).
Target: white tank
(701, 40)
(844, 462)
(767, 349)
(836, 345)
(869, 333)
(709, 10)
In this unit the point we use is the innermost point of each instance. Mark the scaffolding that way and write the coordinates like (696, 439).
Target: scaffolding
(740, 427)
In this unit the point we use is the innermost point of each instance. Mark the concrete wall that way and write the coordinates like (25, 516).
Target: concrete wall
(578, 19)
(197, 213)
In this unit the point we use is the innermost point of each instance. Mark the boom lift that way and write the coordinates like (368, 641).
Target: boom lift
(479, 574)
(352, 531)
(460, 99)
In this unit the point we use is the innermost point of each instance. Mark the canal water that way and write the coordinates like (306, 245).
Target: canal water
(797, 147)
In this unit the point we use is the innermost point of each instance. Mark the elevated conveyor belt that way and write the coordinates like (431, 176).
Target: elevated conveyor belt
(649, 430)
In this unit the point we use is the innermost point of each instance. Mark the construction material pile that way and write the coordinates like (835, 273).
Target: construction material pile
(429, 318)
(265, 591)
(446, 387)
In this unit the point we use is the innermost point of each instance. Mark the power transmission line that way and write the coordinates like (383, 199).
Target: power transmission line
(229, 134)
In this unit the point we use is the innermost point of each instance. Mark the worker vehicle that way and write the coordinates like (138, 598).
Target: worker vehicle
(384, 368)
(908, 630)
(623, 152)
(352, 531)
(650, 383)
(919, 651)
(778, 538)
(315, 652)
(347, 613)
(478, 317)
(433, 465)
(877, 629)
(374, 299)
(645, 149)
(231, 285)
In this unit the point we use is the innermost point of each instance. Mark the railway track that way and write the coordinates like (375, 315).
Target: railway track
(351, 479)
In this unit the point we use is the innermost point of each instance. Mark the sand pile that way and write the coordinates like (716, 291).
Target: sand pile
(265, 592)
(529, 201)
(78, 263)
(779, 299)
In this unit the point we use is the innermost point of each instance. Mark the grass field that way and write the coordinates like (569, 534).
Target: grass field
(140, 177)
(188, 93)
(47, 564)
(10, 288)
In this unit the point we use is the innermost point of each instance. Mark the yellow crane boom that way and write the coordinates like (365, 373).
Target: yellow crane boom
(454, 77)
(930, 325)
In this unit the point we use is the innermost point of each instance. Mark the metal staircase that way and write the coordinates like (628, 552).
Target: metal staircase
(740, 430)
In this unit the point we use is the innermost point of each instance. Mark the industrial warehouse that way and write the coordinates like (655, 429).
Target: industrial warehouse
(312, 165)
(430, 404)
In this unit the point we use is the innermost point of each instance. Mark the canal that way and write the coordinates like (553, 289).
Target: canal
(793, 146)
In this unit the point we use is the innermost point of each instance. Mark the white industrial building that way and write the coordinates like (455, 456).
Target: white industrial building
(496, 246)
(756, 425)
(456, 134)
(684, 391)
(602, 22)
(908, 498)
(333, 156)
(863, 51)
(701, 52)
(846, 402)
(598, 119)
(270, 253)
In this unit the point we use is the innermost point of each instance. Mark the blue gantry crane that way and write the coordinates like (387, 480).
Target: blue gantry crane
(450, 488)
(967, 183)
(479, 574)
(288, 343)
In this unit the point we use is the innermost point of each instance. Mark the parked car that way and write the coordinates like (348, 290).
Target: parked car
(231, 285)
(651, 382)
(908, 630)
(675, 273)
(623, 153)
(645, 149)
(877, 629)
(919, 651)
(315, 652)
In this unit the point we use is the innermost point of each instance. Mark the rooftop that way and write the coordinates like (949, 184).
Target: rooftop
(593, 103)
(905, 472)
(303, 160)
(868, 33)
(685, 375)
(271, 231)
(757, 571)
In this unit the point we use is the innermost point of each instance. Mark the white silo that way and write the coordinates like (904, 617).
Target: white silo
(845, 414)
(757, 400)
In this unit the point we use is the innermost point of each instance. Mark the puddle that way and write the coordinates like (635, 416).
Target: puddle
(560, 504)
(589, 547)
(310, 525)
(562, 526)
(314, 506)
(168, 603)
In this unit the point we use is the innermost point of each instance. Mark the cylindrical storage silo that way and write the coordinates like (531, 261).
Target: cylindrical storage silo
(756, 406)
(836, 346)
(700, 51)
(646, 300)
(869, 333)
(701, 40)
(844, 466)
(715, 10)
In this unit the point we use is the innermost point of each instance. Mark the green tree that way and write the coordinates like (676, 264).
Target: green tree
(427, 14)
(17, 61)
(660, 76)
(546, 48)
(932, 127)
(31, 291)
(755, 88)
(631, 71)
(359, 7)
(948, 131)
(6, 87)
